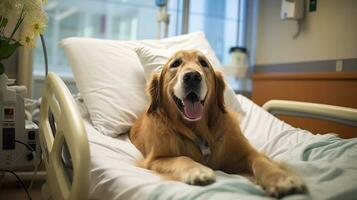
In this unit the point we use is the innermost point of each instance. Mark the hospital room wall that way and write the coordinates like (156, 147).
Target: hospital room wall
(327, 34)
(305, 68)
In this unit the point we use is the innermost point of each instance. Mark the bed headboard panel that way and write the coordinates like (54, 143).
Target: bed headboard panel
(334, 88)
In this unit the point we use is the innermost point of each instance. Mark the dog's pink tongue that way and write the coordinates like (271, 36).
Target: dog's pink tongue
(193, 110)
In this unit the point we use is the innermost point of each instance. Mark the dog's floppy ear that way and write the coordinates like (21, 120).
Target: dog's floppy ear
(220, 86)
(154, 92)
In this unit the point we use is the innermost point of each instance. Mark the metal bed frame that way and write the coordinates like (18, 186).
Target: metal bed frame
(70, 130)
(338, 114)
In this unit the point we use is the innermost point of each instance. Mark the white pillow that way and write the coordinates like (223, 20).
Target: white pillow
(111, 79)
(165, 48)
(153, 59)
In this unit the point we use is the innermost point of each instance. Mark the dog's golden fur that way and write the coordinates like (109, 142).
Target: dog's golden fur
(167, 139)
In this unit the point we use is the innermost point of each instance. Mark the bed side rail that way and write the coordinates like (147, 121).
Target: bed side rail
(338, 114)
(70, 130)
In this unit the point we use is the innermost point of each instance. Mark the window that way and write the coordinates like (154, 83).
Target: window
(222, 22)
(109, 19)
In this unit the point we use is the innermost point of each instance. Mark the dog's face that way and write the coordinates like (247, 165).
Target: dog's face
(187, 84)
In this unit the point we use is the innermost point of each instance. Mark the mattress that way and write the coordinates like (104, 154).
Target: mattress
(327, 163)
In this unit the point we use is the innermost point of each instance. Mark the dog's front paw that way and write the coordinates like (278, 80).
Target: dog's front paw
(198, 176)
(283, 184)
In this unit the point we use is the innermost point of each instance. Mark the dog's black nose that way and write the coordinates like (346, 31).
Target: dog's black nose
(192, 78)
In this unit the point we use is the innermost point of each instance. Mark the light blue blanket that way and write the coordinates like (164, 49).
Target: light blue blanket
(327, 163)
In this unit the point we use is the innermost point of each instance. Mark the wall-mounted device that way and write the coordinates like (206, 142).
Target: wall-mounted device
(292, 9)
(18, 137)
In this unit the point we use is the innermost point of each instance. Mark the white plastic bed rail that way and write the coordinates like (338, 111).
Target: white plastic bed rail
(70, 129)
(313, 110)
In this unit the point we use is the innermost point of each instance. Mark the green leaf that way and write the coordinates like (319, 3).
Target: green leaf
(3, 22)
(7, 49)
(2, 68)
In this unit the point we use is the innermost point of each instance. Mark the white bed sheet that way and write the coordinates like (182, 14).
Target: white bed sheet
(115, 176)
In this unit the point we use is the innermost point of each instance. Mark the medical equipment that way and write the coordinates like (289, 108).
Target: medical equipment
(18, 137)
(293, 10)
(162, 16)
(239, 61)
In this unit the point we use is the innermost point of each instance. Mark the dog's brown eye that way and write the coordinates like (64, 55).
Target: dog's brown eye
(176, 63)
(203, 63)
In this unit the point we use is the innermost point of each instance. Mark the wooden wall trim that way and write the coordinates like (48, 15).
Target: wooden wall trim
(334, 88)
(306, 76)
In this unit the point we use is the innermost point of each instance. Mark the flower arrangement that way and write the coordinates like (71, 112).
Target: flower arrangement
(30, 16)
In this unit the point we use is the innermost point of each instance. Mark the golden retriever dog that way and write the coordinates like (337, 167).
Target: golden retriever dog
(187, 131)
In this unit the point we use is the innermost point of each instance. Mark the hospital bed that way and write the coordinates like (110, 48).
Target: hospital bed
(102, 167)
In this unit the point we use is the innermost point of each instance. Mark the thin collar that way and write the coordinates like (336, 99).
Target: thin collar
(205, 150)
(202, 145)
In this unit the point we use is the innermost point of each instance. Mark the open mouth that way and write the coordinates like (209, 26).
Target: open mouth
(190, 106)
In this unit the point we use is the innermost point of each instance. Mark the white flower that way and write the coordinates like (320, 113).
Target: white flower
(29, 14)
(38, 27)
(28, 40)
(36, 18)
